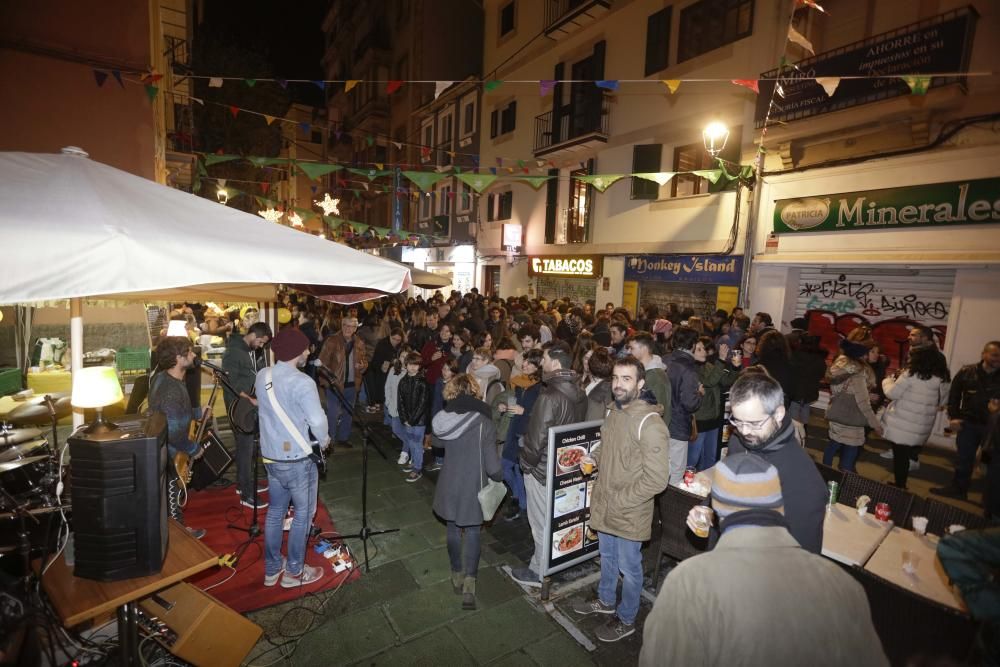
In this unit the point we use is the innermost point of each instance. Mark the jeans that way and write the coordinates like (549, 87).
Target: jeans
(339, 419)
(413, 444)
(515, 480)
(295, 482)
(678, 453)
(244, 464)
(848, 455)
(620, 555)
(701, 452)
(535, 493)
(970, 436)
(397, 428)
(901, 457)
(470, 558)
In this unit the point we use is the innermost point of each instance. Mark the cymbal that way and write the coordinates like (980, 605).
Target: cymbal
(16, 436)
(7, 466)
(18, 452)
(38, 413)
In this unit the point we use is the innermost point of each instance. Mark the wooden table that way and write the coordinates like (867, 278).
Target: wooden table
(929, 580)
(849, 538)
(77, 600)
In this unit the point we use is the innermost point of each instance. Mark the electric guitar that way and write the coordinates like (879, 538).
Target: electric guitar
(183, 462)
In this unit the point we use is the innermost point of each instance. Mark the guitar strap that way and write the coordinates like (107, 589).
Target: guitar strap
(282, 415)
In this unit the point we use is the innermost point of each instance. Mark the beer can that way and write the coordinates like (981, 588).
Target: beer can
(882, 511)
(689, 476)
(833, 490)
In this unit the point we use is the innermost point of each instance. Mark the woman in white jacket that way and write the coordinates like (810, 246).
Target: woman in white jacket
(916, 394)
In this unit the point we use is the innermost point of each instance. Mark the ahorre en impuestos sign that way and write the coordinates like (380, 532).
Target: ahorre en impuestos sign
(970, 202)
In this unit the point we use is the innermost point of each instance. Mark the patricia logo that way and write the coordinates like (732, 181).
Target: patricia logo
(805, 213)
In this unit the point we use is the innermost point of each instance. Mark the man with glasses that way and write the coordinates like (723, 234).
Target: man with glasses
(761, 425)
(344, 355)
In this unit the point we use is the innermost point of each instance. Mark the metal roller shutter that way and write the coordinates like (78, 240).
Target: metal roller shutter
(576, 289)
(699, 297)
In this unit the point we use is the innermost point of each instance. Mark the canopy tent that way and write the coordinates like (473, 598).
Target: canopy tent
(76, 228)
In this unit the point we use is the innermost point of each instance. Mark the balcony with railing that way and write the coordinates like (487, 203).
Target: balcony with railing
(575, 128)
(565, 16)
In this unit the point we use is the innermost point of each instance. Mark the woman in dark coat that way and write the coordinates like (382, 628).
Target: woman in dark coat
(386, 351)
(465, 430)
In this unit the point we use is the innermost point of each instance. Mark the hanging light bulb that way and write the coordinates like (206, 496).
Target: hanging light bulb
(222, 195)
(271, 215)
(715, 136)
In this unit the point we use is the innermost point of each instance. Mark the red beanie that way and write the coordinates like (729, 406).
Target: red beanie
(289, 343)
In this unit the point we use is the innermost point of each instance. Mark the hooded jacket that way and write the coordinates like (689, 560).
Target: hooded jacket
(682, 371)
(561, 401)
(910, 416)
(634, 467)
(598, 399)
(658, 383)
(464, 429)
(801, 484)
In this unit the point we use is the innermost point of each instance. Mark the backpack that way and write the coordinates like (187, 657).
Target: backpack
(495, 387)
(502, 420)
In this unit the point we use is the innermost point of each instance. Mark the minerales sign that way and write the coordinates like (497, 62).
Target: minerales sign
(973, 202)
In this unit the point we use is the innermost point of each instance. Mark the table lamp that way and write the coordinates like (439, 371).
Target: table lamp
(96, 387)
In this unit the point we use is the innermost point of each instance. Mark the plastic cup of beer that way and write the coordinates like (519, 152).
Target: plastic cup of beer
(911, 561)
(919, 525)
(701, 520)
(587, 465)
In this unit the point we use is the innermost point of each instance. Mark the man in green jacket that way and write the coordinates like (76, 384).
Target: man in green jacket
(634, 468)
(641, 346)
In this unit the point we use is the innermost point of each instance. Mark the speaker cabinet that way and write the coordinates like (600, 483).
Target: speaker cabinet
(119, 495)
(213, 462)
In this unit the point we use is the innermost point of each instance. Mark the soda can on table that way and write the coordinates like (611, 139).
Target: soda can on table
(689, 475)
(882, 511)
(833, 491)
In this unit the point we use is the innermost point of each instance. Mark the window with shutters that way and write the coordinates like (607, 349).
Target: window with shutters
(691, 157)
(658, 40)
(646, 158)
(468, 115)
(499, 206)
(427, 141)
(503, 119)
(444, 200)
(508, 18)
(710, 24)
(425, 205)
(463, 198)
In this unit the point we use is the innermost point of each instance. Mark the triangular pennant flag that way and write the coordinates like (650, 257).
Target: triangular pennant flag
(398, 145)
(215, 82)
(198, 100)
(918, 84)
(211, 159)
(424, 180)
(100, 77)
(499, 161)
(315, 170)
(510, 170)
(747, 83)
(264, 187)
(520, 163)
(393, 86)
(269, 119)
(380, 166)
(600, 181)
(365, 186)
(306, 128)
(320, 84)
(659, 177)
(540, 163)
(451, 154)
(607, 84)
(267, 161)
(534, 181)
(829, 84)
(370, 174)
(671, 84)
(370, 140)
(810, 3)
(713, 175)
(798, 38)
(357, 193)
(282, 83)
(152, 77)
(118, 77)
(490, 86)
(350, 83)
(425, 151)
(250, 82)
(546, 86)
(234, 110)
(314, 188)
(458, 170)
(493, 170)
(440, 87)
(151, 91)
(204, 172)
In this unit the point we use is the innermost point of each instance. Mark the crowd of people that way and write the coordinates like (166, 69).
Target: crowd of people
(470, 385)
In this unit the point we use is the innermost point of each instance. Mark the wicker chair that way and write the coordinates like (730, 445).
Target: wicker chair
(940, 515)
(830, 474)
(900, 501)
(911, 626)
(676, 540)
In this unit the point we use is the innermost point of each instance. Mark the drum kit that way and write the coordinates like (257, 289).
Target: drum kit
(30, 472)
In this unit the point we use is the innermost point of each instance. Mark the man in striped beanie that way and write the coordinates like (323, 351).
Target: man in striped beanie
(778, 603)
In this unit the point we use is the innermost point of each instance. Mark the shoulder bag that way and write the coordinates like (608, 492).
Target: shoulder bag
(843, 409)
(315, 452)
(492, 493)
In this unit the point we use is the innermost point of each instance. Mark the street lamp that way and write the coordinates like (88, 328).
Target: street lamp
(715, 136)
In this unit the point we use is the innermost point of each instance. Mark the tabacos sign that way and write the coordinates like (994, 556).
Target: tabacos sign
(972, 202)
(574, 266)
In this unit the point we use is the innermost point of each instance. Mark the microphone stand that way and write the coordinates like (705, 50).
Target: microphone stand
(366, 533)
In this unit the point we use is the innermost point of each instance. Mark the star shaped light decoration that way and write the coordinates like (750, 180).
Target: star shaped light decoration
(271, 215)
(296, 220)
(330, 206)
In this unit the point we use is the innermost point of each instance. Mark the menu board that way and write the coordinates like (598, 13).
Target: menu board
(568, 538)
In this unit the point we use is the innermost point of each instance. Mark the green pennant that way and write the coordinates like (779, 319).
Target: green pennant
(477, 182)
(201, 169)
(267, 161)
(659, 177)
(358, 227)
(370, 140)
(151, 92)
(250, 82)
(370, 174)
(212, 158)
(305, 213)
(490, 86)
(357, 193)
(424, 180)
(534, 181)
(601, 182)
(713, 175)
(315, 170)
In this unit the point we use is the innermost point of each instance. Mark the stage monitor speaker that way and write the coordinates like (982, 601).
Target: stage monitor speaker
(119, 496)
(213, 462)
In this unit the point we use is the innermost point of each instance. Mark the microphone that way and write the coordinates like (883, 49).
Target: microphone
(323, 370)
(208, 364)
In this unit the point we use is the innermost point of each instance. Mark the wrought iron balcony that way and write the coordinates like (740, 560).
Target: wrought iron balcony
(574, 128)
(565, 16)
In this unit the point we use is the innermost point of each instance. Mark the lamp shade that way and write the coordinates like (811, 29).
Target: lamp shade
(177, 328)
(96, 387)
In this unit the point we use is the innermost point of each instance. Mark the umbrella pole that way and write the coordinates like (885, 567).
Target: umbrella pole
(76, 347)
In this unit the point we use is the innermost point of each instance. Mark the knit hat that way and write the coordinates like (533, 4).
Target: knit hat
(662, 327)
(289, 343)
(853, 350)
(745, 481)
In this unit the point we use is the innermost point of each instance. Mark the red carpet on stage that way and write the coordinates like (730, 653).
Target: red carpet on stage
(214, 509)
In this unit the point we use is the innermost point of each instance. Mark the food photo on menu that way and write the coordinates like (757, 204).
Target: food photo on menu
(567, 540)
(589, 535)
(569, 500)
(568, 458)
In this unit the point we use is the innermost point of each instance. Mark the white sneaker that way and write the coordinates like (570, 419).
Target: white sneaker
(887, 454)
(310, 574)
(271, 580)
(404, 458)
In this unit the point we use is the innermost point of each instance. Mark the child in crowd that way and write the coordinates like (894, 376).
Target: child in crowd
(413, 401)
(448, 371)
(391, 416)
